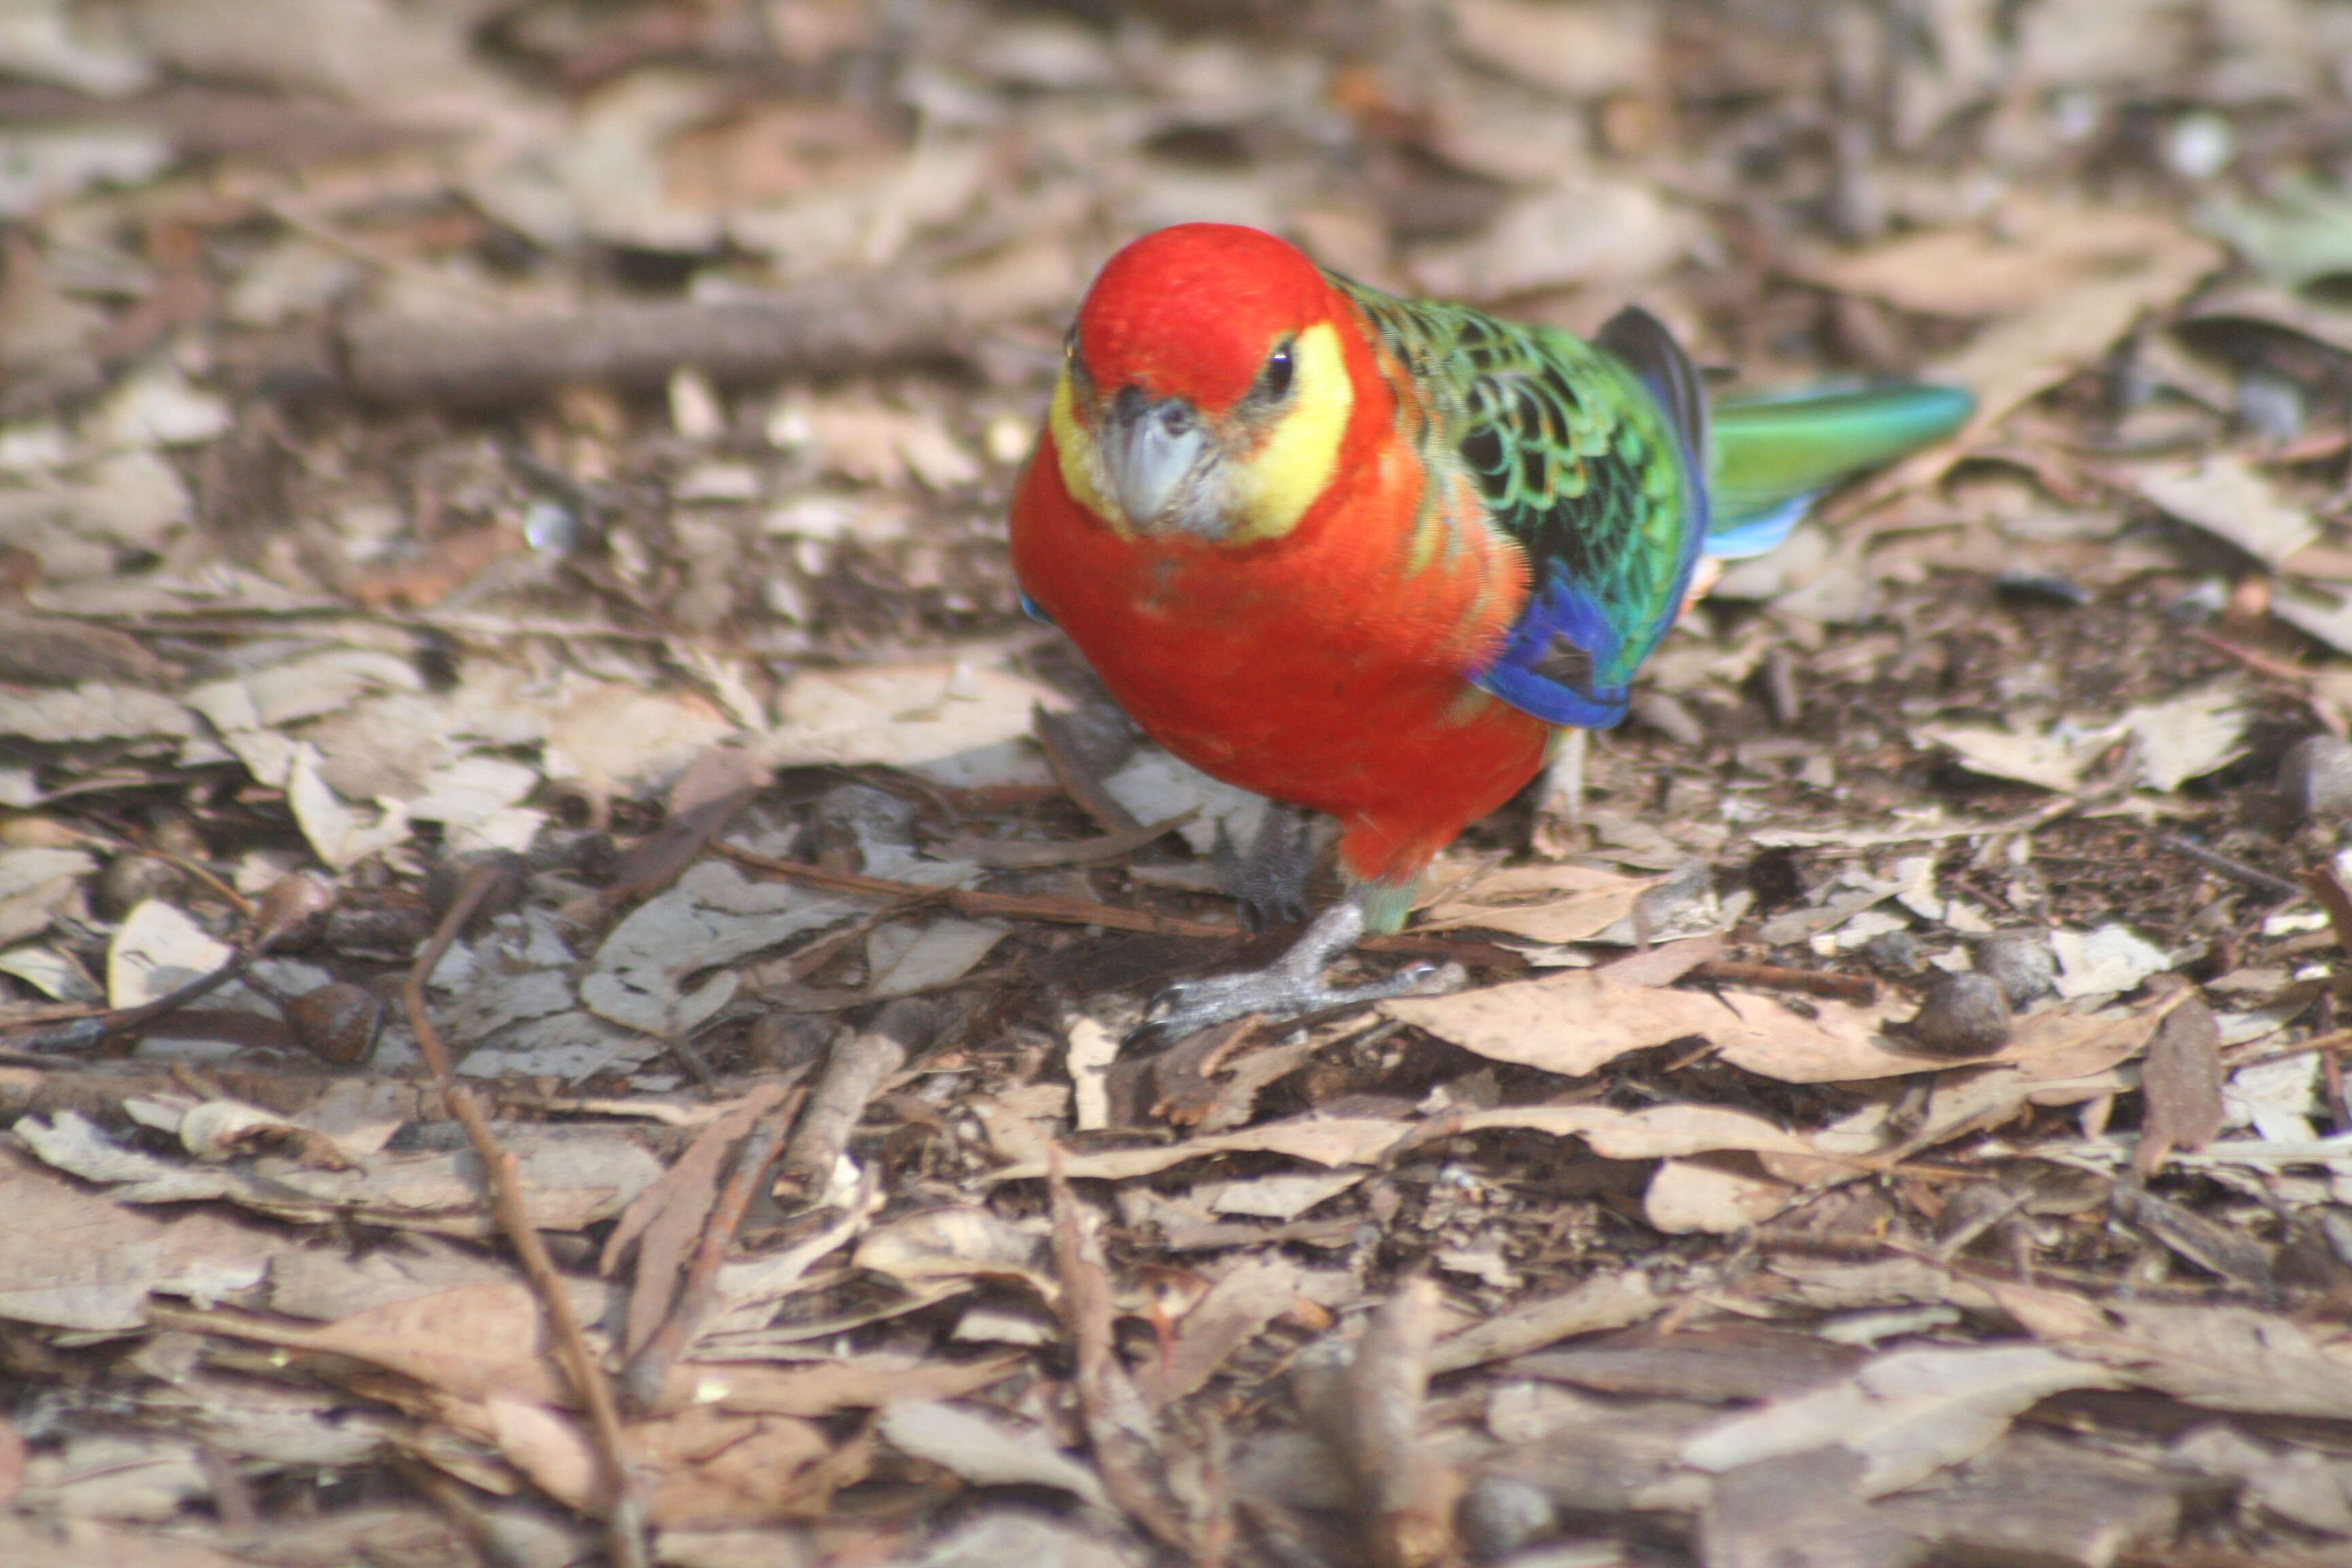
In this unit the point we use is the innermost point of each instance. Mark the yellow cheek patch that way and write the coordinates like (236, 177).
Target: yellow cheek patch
(1081, 467)
(1274, 488)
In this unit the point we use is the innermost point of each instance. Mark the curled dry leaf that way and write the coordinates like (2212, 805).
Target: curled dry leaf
(1573, 1022)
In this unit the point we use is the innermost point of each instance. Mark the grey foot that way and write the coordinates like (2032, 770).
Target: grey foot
(1293, 985)
(1270, 878)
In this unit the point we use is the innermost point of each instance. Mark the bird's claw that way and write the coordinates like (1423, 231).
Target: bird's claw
(1277, 995)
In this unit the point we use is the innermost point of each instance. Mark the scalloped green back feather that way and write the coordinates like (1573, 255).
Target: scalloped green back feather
(1571, 455)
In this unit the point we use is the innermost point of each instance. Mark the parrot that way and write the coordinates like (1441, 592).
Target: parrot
(1374, 557)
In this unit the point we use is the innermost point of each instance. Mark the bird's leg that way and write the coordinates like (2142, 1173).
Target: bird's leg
(1270, 878)
(1560, 798)
(1293, 984)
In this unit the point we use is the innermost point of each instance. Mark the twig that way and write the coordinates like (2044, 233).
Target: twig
(1859, 989)
(829, 325)
(1118, 1423)
(1029, 855)
(2261, 663)
(648, 1369)
(624, 1524)
(96, 1029)
(2214, 860)
(853, 1075)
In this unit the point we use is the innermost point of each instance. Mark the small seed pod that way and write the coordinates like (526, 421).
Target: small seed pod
(2019, 962)
(1961, 1016)
(2314, 778)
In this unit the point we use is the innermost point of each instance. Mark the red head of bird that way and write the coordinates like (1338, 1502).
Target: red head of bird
(1207, 388)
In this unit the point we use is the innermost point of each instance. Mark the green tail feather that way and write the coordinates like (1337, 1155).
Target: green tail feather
(1769, 451)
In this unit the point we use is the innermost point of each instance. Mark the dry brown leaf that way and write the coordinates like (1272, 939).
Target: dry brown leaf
(1980, 272)
(1543, 903)
(1574, 1022)
(820, 1388)
(1908, 1413)
(2182, 1080)
(1657, 1131)
(1324, 1141)
(1235, 1311)
(1692, 1197)
(1608, 1300)
(470, 1343)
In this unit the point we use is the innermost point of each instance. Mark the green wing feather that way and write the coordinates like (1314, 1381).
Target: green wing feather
(1587, 456)
(1574, 459)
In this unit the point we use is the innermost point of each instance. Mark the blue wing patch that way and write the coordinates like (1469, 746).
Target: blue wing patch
(1568, 660)
(1029, 608)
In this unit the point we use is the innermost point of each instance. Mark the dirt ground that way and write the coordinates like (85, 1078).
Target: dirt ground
(573, 974)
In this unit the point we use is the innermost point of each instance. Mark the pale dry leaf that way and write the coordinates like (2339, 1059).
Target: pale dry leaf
(1657, 1131)
(902, 959)
(1689, 1196)
(2101, 962)
(616, 739)
(342, 835)
(956, 1243)
(713, 915)
(70, 1258)
(2227, 498)
(157, 949)
(2188, 736)
(1281, 1197)
(955, 722)
(1609, 1300)
(1088, 1054)
(1552, 904)
(1574, 1022)
(1982, 271)
(822, 1387)
(1323, 1141)
(2224, 1357)
(547, 1447)
(1908, 1413)
(985, 1451)
(1580, 51)
(2055, 760)
(92, 712)
(470, 1342)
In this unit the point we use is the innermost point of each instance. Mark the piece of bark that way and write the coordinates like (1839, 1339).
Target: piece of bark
(825, 327)
(851, 1078)
(2182, 1080)
(1801, 1508)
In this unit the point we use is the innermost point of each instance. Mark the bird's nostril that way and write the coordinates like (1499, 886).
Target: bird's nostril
(1175, 419)
(1128, 407)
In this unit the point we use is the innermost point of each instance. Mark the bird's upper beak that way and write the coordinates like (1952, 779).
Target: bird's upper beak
(1151, 448)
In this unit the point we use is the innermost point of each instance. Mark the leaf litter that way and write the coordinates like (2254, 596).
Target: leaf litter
(565, 461)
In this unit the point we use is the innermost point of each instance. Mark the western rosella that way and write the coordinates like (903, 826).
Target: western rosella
(1370, 555)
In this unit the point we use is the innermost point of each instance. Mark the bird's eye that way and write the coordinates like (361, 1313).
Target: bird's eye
(1277, 376)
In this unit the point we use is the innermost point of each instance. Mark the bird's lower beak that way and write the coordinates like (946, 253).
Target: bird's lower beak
(1154, 448)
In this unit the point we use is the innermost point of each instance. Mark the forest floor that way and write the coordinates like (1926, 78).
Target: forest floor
(572, 971)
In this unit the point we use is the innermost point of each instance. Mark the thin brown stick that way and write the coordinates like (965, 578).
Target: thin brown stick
(624, 1524)
(1117, 1422)
(648, 1369)
(1859, 989)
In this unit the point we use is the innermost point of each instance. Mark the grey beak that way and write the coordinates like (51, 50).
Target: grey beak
(1152, 448)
